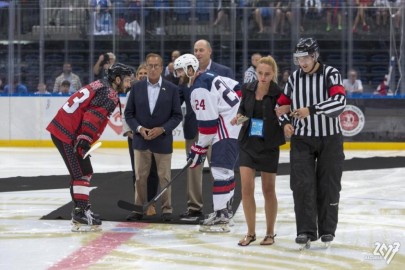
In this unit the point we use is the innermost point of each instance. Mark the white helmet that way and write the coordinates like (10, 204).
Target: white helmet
(185, 61)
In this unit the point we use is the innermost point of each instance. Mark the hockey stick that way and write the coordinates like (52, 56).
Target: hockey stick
(143, 208)
(93, 147)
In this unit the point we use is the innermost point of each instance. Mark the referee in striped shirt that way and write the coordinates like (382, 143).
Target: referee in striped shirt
(315, 98)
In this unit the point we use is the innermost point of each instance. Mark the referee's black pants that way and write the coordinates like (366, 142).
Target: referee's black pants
(316, 172)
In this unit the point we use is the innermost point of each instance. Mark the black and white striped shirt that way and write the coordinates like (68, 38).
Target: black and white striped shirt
(323, 93)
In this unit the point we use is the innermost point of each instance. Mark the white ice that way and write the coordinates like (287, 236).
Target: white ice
(370, 234)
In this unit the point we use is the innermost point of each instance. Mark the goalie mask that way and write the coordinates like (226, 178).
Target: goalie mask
(305, 48)
(188, 63)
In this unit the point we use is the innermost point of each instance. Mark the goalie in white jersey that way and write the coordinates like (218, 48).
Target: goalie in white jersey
(215, 101)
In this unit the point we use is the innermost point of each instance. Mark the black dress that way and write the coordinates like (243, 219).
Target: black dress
(260, 153)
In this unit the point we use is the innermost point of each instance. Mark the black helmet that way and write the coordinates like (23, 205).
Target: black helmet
(306, 46)
(119, 69)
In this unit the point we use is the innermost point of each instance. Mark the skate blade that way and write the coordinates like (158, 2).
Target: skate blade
(327, 244)
(85, 228)
(307, 245)
(220, 228)
(231, 223)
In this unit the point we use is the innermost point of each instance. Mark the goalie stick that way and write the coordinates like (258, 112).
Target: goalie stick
(143, 208)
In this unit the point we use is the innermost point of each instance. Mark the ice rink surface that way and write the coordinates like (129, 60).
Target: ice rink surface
(370, 234)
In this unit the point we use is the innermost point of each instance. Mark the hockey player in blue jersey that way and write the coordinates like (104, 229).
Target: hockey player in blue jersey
(215, 101)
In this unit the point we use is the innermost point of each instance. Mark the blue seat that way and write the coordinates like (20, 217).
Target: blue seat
(333, 57)
(31, 57)
(75, 58)
(382, 58)
(54, 57)
(203, 10)
(362, 70)
(359, 58)
(379, 70)
(182, 9)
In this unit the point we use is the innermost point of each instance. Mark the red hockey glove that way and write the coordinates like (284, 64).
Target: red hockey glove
(82, 145)
(197, 155)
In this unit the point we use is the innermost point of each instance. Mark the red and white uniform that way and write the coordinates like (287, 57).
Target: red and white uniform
(85, 112)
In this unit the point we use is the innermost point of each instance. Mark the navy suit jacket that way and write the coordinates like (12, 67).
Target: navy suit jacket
(166, 114)
(221, 70)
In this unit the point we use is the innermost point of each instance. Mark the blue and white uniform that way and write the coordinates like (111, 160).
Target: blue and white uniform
(215, 101)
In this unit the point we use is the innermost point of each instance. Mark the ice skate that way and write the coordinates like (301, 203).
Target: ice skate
(85, 221)
(230, 212)
(216, 222)
(327, 239)
(304, 241)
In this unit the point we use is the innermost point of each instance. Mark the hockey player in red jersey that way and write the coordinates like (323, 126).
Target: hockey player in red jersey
(78, 124)
(215, 101)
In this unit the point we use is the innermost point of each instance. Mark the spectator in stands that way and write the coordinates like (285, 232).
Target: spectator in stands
(381, 13)
(102, 17)
(1, 85)
(175, 54)
(42, 90)
(171, 77)
(263, 13)
(397, 8)
(67, 75)
(103, 63)
(353, 85)
(334, 11)
(284, 79)
(56, 7)
(250, 73)
(223, 8)
(283, 14)
(312, 12)
(64, 88)
(383, 88)
(17, 87)
(362, 6)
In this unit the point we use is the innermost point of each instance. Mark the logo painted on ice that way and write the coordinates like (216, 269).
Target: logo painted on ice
(352, 121)
(386, 251)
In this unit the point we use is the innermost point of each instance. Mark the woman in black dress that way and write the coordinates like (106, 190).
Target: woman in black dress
(259, 142)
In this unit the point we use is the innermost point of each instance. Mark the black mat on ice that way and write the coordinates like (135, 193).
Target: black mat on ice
(112, 187)
(115, 186)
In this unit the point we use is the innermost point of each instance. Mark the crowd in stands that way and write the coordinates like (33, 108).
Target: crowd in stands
(105, 17)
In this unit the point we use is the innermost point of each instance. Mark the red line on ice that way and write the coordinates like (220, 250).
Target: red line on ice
(97, 249)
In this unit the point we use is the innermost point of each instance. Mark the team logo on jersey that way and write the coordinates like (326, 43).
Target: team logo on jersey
(115, 120)
(352, 121)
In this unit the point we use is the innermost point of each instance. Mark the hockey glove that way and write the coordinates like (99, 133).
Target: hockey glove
(82, 144)
(197, 155)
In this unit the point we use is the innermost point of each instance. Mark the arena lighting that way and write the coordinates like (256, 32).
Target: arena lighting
(23, 42)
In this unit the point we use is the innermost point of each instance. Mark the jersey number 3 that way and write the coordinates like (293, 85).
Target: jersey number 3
(72, 104)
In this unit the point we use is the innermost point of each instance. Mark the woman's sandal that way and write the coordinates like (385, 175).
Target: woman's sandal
(249, 238)
(267, 237)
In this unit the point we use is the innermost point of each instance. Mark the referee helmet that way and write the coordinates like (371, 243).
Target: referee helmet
(304, 47)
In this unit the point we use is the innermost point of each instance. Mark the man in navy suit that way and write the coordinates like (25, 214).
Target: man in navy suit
(202, 51)
(152, 112)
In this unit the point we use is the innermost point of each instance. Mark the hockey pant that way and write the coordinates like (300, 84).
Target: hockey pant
(223, 160)
(80, 171)
(316, 172)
